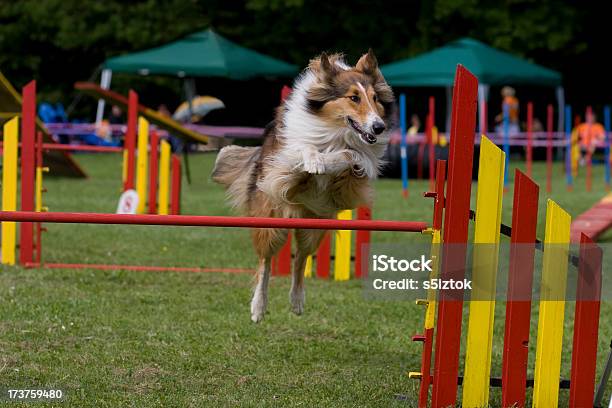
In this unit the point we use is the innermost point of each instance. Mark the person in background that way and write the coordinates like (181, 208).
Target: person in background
(415, 125)
(590, 133)
(116, 116)
(510, 100)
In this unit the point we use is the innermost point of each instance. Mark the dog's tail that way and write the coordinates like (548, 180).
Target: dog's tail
(235, 168)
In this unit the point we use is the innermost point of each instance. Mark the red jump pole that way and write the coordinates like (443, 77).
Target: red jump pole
(323, 257)
(529, 154)
(28, 130)
(520, 281)
(284, 258)
(362, 243)
(428, 336)
(130, 139)
(549, 147)
(153, 172)
(432, 114)
(456, 221)
(175, 189)
(586, 324)
(39, 228)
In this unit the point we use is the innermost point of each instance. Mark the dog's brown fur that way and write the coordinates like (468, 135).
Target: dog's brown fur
(261, 185)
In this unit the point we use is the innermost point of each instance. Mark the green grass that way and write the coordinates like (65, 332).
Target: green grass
(177, 339)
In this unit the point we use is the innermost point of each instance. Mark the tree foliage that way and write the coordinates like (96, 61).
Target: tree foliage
(62, 41)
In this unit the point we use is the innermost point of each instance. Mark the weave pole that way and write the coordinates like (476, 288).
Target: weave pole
(520, 283)
(456, 220)
(403, 144)
(589, 154)
(362, 244)
(607, 163)
(431, 158)
(130, 141)
(549, 147)
(153, 172)
(568, 148)
(529, 152)
(9, 188)
(506, 128)
(28, 131)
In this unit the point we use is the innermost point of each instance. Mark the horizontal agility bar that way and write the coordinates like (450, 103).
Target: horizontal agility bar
(137, 268)
(211, 221)
(77, 148)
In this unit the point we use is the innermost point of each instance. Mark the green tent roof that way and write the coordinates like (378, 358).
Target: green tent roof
(205, 53)
(491, 66)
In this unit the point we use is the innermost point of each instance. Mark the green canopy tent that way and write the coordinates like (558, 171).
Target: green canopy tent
(491, 66)
(202, 54)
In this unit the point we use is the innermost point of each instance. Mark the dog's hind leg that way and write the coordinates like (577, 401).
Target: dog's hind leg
(267, 243)
(307, 243)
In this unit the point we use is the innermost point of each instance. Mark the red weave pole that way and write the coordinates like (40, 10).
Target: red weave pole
(175, 188)
(432, 114)
(153, 172)
(586, 324)
(456, 220)
(549, 147)
(520, 282)
(362, 242)
(529, 153)
(28, 130)
(284, 258)
(130, 139)
(211, 221)
(589, 157)
(429, 332)
(323, 257)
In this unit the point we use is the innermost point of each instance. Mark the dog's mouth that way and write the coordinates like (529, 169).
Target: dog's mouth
(365, 136)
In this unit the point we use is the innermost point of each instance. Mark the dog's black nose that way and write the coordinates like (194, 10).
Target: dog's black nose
(378, 127)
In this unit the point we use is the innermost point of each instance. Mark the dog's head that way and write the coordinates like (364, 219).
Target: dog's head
(356, 98)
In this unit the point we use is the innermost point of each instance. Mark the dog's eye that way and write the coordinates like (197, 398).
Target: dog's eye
(355, 98)
(375, 98)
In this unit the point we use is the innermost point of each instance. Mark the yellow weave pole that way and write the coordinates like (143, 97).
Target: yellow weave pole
(484, 275)
(308, 267)
(342, 261)
(164, 178)
(9, 188)
(142, 164)
(552, 307)
(124, 161)
(39, 189)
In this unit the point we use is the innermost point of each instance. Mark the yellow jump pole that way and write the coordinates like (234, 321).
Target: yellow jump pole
(552, 307)
(308, 267)
(9, 189)
(142, 164)
(484, 274)
(164, 178)
(342, 261)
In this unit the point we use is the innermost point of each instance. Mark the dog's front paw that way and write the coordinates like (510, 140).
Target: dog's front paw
(297, 299)
(314, 163)
(258, 307)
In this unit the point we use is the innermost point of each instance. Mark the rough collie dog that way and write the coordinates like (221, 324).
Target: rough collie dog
(318, 157)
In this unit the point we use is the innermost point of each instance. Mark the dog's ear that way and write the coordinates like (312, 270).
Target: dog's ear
(368, 64)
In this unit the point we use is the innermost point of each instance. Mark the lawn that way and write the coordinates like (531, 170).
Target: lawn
(116, 338)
